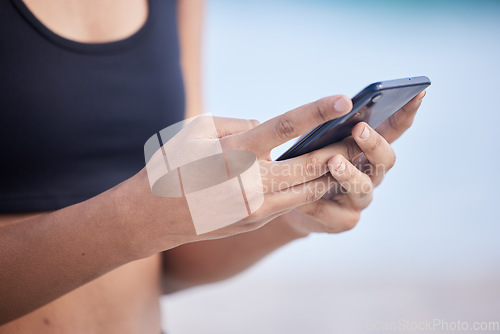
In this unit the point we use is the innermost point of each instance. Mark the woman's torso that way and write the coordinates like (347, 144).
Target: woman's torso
(126, 299)
(75, 115)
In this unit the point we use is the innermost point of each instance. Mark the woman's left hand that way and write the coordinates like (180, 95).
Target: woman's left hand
(339, 210)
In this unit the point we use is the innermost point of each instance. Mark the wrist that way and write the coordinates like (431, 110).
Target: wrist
(151, 224)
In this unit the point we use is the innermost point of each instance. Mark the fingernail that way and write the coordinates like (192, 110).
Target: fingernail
(342, 105)
(340, 168)
(365, 134)
(338, 164)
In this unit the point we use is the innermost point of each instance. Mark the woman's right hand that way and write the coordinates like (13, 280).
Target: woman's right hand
(165, 222)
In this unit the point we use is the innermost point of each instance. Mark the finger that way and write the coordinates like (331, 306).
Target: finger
(362, 163)
(228, 126)
(375, 148)
(312, 165)
(357, 186)
(292, 124)
(401, 120)
(300, 194)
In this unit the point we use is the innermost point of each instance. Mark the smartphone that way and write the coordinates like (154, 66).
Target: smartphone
(373, 105)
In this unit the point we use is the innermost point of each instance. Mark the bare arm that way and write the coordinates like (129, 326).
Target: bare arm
(214, 260)
(190, 24)
(51, 254)
(45, 257)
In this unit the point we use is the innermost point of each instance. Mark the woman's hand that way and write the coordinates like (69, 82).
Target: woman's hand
(166, 222)
(358, 164)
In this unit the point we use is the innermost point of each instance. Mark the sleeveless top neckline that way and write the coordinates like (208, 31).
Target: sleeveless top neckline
(74, 117)
(81, 46)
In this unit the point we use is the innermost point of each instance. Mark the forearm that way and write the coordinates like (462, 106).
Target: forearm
(52, 254)
(214, 260)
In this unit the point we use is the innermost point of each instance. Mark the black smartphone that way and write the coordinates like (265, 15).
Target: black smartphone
(373, 105)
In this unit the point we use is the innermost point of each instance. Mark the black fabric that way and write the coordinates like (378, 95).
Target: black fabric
(74, 117)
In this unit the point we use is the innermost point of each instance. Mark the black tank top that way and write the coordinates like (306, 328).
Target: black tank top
(74, 117)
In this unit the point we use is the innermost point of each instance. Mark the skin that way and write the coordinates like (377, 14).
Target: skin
(101, 265)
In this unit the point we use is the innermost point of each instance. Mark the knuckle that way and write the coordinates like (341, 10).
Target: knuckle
(366, 201)
(318, 209)
(376, 145)
(321, 110)
(285, 128)
(312, 165)
(392, 121)
(401, 121)
(315, 209)
(254, 123)
(350, 148)
(410, 108)
(315, 193)
(406, 122)
(366, 189)
(352, 220)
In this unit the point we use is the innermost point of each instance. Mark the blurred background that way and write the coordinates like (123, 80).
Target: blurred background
(428, 247)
